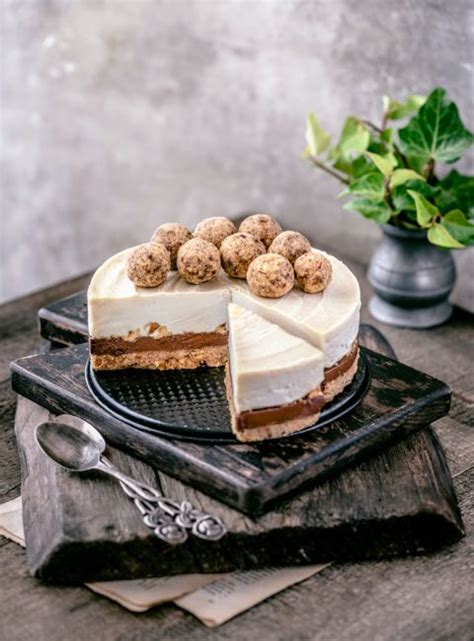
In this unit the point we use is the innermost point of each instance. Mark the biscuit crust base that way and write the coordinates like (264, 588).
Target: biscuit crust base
(213, 356)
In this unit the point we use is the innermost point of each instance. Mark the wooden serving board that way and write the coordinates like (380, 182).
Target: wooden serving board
(65, 321)
(248, 477)
(82, 528)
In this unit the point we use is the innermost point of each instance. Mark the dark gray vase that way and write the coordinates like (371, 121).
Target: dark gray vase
(412, 280)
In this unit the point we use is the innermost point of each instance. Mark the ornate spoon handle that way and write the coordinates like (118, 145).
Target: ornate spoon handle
(170, 520)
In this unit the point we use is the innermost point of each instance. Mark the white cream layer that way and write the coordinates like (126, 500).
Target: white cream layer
(328, 321)
(116, 306)
(269, 366)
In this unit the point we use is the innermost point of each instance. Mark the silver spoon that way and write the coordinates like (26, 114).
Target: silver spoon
(95, 435)
(82, 426)
(77, 446)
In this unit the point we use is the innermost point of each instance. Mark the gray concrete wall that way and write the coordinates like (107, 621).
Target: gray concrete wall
(119, 115)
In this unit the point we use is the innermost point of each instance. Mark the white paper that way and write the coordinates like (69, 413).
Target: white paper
(142, 594)
(11, 521)
(229, 596)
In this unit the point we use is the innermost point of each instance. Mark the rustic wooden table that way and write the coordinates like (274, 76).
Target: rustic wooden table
(419, 598)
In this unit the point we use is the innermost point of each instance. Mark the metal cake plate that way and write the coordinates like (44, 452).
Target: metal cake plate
(192, 404)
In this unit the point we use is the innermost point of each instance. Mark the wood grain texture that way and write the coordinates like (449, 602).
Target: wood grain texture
(351, 517)
(416, 598)
(249, 477)
(65, 321)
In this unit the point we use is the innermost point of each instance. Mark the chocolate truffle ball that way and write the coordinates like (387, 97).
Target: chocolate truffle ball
(172, 235)
(215, 229)
(263, 227)
(313, 272)
(198, 261)
(270, 276)
(291, 245)
(148, 265)
(238, 251)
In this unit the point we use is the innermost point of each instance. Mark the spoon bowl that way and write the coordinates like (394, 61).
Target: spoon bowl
(82, 426)
(68, 446)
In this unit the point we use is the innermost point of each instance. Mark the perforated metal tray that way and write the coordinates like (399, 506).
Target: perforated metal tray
(192, 404)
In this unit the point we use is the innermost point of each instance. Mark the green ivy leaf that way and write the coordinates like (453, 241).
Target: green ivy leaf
(436, 132)
(368, 186)
(354, 139)
(402, 201)
(318, 140)
(385, 164)
(456, 191)
(417, 164)
(384, 150)
(376, 211)
(387, 137)
(401, 176)
(459, 227)
(361, 166)
(425, 211)
(439, 235)
(395, 110)
(410, 226)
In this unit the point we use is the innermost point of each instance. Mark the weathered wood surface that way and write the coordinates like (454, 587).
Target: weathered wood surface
(392, 505)
(417, 598)
(65, 321)
(250, 477)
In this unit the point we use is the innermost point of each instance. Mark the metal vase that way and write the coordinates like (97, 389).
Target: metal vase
(412, 280)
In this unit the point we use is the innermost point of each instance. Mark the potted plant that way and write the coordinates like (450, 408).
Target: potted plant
(391, 175)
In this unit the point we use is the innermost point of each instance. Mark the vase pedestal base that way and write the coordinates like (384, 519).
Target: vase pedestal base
(414, 317)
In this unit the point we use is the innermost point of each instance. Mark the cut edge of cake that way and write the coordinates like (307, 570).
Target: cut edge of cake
(273, 378)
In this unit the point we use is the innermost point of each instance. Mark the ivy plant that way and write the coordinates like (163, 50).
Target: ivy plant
(390, 172)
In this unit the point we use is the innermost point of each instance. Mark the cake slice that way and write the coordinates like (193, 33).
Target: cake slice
(273, 378)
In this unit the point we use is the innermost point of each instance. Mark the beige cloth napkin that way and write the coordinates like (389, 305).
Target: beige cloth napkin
(212, 598)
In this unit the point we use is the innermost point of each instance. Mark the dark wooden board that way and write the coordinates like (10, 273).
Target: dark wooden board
(394, 505)
(249, 477)
(65, 321)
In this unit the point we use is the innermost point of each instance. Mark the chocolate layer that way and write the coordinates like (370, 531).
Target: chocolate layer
(280, 414)
(115, 346)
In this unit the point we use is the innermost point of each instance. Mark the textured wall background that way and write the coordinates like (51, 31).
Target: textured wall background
(121, 114)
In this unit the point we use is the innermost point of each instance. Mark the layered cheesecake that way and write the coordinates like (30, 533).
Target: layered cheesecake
(285, 357)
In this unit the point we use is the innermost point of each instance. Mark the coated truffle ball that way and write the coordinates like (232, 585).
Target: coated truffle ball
(313, 272)
(198, 261)
(263, 227)
(238, 251)
(148, 265)
(215, 229)
(270, 276)
(291, 245)
(172, 235)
